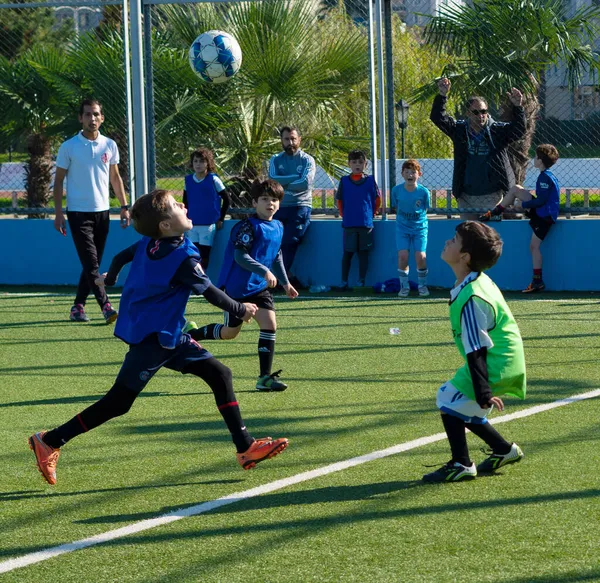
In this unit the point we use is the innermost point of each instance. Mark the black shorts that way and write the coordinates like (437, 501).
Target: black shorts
(358, 239)
(263, 299)
(539, 225)
(145, 359)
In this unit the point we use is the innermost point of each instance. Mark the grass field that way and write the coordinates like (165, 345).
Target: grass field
(354, 389)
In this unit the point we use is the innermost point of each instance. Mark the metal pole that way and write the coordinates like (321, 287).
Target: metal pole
(389, 66)
(373, 112)
(129, 114)
(402, 142)
(381, 88)
(139, 106)
(150, 126)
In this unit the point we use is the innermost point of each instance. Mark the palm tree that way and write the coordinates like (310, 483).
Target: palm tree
(296, 68)
(499, 44)
(32, 113)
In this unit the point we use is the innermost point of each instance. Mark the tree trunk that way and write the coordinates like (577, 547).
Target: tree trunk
(38, 172)
(239, 191)
(518, 152)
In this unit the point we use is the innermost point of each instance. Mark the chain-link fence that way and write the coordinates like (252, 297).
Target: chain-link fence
(307, 63)
(52, 56)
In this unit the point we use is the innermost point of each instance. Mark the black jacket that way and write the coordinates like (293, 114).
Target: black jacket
(498, 136)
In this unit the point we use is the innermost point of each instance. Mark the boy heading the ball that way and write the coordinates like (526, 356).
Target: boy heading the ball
(252, 265)
(165, 270)
(489, 340)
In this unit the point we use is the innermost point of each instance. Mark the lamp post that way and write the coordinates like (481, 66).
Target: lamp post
(402, 110)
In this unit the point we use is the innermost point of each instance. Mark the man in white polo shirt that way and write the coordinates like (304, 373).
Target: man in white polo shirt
(89, 162)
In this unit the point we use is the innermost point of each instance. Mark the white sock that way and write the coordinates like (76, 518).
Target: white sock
(403, 278)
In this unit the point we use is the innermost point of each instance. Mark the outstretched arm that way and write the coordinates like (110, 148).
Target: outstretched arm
(438, 114)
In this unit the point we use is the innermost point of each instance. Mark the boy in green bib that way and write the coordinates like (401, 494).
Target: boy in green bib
(489, 340)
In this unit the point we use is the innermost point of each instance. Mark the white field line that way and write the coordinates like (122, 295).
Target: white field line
(148, 524)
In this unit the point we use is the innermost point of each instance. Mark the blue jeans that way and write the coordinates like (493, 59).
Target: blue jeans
(296, 220)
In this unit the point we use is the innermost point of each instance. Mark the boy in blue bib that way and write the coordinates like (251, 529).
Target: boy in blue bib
(252, 265)
(207, 202)
(165, 270)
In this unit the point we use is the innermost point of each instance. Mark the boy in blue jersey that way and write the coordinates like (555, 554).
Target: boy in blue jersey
(542, 208)
(206, 201)
(251, 268)
(358, 200)
(411, 201)
(165, 270)
(488, 339)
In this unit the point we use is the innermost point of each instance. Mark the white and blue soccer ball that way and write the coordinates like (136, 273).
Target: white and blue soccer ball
(215, 56)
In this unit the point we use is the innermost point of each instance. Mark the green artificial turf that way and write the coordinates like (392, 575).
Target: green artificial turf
(353, 389)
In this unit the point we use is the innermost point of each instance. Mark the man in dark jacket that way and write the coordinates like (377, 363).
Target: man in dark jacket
(482, 171)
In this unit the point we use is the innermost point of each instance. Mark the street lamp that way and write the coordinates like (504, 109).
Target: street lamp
(402, 111)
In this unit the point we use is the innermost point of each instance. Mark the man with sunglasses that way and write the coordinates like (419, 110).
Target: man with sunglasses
(482, 170)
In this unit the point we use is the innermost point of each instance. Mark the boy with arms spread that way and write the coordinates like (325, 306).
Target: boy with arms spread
(411, 201)
(542, 208)
(489, 340)
(165, 269)
(358, 200)
(251, 268)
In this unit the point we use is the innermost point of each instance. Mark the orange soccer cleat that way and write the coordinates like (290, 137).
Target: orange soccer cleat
(45, 457)
(262, 449)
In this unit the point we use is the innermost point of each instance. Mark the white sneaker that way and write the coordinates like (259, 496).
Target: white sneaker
(423, 291)
(404, 291)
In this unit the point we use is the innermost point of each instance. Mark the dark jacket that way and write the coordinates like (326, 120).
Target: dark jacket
(498, 136)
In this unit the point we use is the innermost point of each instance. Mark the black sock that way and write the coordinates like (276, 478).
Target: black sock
(346, 261)
(488, 433)
(218, 377)
(115, 403)
(363, 265)
(455, 430)
(208, 332)
(266, 351)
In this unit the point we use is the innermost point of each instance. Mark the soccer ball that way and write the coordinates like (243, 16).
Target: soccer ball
(215, 56)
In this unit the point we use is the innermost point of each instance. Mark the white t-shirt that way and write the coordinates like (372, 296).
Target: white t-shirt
(88, 165)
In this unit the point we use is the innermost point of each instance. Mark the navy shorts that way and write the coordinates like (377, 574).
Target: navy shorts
(263, 299)
(358, 239)
(539, 225)
(145, 359)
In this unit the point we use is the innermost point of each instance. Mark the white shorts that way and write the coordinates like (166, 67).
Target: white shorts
(203, 234)
(450, 400)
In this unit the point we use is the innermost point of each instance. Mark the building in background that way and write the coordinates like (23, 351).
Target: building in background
(85, 18)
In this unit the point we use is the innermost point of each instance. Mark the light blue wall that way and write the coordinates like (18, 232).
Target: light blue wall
(34, 253)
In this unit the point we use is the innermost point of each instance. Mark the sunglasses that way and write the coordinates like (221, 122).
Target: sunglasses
(479, 111)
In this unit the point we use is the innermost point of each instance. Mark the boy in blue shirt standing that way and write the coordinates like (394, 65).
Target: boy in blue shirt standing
(542, 208)
(206, 201)
(411, 201)
(165, 270)
(252, 265)
(358, 200)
